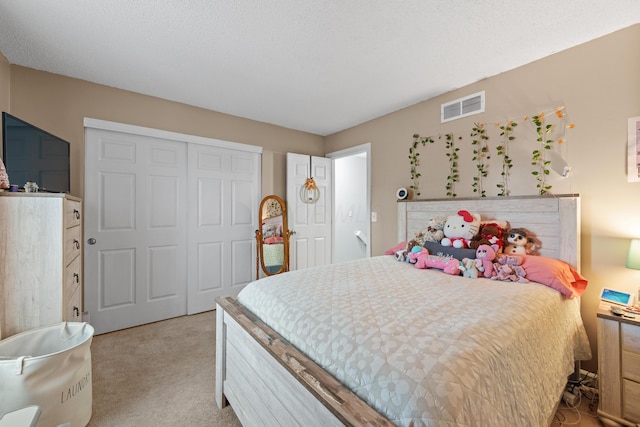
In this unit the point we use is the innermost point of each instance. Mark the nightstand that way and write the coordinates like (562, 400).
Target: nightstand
(618, 368)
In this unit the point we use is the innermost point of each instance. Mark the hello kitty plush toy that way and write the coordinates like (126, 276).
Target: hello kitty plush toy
(460, 228)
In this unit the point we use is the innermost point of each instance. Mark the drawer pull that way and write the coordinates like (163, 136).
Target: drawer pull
(76, 213)
(76, 244)
(76, 277)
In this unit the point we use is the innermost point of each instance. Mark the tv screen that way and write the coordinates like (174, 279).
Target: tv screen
(31, 154)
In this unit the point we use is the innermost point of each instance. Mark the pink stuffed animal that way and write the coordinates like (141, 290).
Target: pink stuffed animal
(509, 268)
(485, 255)
(446, 264)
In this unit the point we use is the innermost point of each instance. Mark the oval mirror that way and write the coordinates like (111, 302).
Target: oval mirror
(272, 239)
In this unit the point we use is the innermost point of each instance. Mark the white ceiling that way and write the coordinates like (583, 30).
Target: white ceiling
(319, 66)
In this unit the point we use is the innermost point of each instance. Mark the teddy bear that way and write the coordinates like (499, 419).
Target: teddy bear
(509, 268)
(460, 228)
(491, 233)
(485, 254)
(447, 264)
(469, 268)
(519, 242)
(435, 227)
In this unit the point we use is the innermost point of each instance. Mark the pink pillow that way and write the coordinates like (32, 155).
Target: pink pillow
(273, 240)
(554, 273)
(400, 246)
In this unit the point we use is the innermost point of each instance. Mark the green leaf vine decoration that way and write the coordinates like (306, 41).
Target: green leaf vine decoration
(452, 154)
(480, 152)
(415, 160)
(503, 151)
(539, 155)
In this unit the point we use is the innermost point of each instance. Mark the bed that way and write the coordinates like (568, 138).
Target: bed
(378, 342)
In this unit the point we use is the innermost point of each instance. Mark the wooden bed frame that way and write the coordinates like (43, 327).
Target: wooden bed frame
(269, 382)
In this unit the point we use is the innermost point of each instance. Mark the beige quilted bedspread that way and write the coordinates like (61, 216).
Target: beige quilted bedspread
(425, 348)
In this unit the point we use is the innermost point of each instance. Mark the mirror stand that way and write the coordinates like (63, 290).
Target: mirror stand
(272, 238)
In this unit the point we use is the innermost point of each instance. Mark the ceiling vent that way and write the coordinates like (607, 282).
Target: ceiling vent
(462, 107)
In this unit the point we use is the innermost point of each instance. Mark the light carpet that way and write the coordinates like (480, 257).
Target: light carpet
(160, 374)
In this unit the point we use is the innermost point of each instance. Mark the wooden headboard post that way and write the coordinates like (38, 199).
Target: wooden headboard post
(553, 220)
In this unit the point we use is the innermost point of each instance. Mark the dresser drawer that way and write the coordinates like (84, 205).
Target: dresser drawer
(630, 337)
(630, 344)
(72, 309)
(72, 213)
(72, 278)
(631, 400)
(72, 244)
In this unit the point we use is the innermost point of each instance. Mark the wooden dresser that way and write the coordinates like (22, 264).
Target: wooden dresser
(618, 368)
(40, 260)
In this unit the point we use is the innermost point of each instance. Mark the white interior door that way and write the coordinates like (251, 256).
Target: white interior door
(135, 229)
(224, 190)
(311, 243)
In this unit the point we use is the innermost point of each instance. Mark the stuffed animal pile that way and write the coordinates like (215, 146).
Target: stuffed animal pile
(498, 249)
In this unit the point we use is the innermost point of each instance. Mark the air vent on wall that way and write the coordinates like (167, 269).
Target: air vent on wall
(462, 107)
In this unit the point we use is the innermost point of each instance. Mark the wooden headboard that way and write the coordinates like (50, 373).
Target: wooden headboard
(553, 220)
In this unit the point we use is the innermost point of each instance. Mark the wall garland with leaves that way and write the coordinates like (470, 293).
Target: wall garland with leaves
(545, 141)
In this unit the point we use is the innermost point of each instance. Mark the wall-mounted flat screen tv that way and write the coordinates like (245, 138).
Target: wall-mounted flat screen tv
(32, 154)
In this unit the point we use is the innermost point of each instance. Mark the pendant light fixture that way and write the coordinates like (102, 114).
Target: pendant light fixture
(309, 192)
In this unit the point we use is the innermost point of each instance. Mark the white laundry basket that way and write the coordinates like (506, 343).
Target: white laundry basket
(49, 367)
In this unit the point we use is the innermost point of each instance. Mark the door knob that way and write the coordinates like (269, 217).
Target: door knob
(91, 241)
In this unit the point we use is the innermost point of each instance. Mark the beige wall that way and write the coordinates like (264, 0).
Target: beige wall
(59, 105)
(598, 83)
(5, 80)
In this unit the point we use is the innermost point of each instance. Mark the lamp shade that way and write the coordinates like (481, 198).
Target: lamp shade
(633, 259)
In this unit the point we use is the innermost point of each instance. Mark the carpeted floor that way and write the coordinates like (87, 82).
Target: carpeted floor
(584, 415)
(162, 374)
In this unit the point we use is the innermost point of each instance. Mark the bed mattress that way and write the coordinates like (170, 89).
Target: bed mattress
(425, 348)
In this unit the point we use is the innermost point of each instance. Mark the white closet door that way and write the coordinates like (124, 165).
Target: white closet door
(223, 217)
(135, 229)
(310, 246)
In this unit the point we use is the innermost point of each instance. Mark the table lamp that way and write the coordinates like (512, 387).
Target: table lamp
(633, 260)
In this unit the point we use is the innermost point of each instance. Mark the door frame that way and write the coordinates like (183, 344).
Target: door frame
(348, 152)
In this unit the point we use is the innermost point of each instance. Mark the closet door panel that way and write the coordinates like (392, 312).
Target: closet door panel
(224, 185)
(135, 229)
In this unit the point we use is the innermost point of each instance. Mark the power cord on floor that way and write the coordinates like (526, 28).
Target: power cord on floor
(573, 408)
(584, 387)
